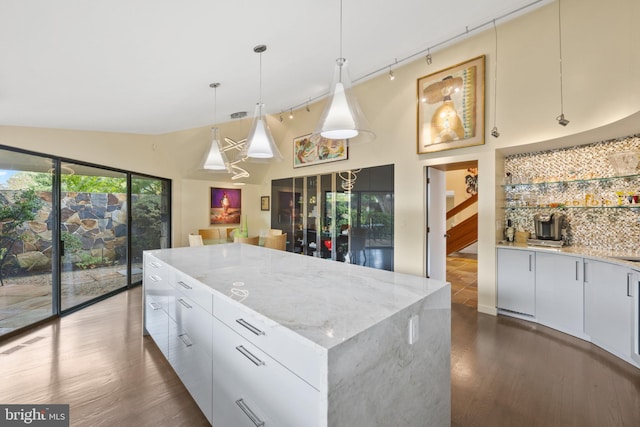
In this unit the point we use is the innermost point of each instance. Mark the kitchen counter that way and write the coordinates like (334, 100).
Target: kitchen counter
(361, 346)
(616, 257)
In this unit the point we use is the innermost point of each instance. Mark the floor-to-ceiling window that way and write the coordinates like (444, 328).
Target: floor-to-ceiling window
(150, 214)
(93, 225)
(72, 233)
(26, 249)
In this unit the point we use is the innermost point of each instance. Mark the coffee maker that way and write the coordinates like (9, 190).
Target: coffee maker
(548, 226)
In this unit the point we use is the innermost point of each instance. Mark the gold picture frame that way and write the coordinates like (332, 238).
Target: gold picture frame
(264, 203)
(450, 107)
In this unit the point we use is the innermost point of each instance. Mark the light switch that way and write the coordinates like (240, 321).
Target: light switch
(413, 329)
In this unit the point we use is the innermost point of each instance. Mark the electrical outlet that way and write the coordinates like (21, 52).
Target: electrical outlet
(413, 329)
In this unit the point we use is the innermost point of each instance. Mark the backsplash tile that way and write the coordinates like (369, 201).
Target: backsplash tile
(599, 213)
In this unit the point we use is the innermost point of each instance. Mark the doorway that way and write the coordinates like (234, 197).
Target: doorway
(452, 194)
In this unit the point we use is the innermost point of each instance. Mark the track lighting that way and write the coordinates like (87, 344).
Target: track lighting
(428, 57)
(561, 120)
(391, 76)
(291, 114)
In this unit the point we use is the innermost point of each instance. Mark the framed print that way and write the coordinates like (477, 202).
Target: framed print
(225, 206)
(451, 107)
(264, 203)
(307, 152)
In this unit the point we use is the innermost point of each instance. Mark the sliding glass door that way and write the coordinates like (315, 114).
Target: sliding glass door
(93, 231)
(72, 234)
(150, 213)
(26, 240)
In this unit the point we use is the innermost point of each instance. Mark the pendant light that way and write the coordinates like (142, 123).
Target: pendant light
(260, 144)
(562, 121)
(215, 158)
(342, 117)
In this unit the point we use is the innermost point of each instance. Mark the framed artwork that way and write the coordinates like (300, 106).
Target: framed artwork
(225, 206)
(307, 152)
(451, 107)
(264, 203)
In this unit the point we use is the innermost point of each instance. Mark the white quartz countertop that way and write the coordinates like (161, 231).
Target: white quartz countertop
(324, 301)
(613, 256)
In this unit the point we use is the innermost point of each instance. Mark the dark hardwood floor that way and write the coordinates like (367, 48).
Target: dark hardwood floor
(504, 372)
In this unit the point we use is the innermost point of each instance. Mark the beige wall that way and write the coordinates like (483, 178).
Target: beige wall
(601, 86)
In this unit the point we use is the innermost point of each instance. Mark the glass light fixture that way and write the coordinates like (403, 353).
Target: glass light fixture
(215, 158)
(342, 117)
(260, 144)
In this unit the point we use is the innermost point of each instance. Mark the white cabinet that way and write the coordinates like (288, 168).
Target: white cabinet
(156, 302)
(609, 310)
(180, 327)
(560, 292)
(516, 281)
(251, 387)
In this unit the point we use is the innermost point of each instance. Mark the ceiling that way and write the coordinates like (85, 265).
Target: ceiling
(144, 66)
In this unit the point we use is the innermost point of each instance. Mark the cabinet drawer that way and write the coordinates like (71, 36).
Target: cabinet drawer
(250, 385)
(193, 366)
(300, 356)
(155, 271)
(196, 291)
(157, 322)
(192, 319)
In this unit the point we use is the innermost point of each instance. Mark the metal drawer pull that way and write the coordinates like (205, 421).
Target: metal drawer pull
(155, 278)
(246, 353)
(185, 340)
(250, 327)
(249, 413)
(155, 264)
(184, 285)
(183, 302)
(155, 305)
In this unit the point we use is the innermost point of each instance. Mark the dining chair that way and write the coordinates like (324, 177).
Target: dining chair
(195, 240)
(209, 233)
(248, 240)
(274, 232)
(230, 232)
(276, 242)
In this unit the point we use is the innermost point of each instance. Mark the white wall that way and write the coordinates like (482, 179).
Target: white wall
(601, 86)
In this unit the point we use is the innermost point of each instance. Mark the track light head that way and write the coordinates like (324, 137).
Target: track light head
(494, 132)
(561, 120)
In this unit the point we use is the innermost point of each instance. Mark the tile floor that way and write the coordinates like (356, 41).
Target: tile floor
(462, 272)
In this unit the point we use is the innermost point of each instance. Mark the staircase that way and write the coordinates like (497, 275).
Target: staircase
(466, 232)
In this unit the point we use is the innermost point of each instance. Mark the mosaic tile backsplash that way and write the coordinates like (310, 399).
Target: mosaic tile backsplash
(595, 186)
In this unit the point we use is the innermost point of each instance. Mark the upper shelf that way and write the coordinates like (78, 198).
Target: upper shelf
(570, 181)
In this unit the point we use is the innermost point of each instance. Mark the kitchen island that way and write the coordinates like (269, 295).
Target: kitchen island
(266, 337)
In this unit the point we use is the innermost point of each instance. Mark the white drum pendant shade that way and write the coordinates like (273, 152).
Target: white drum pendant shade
(342, 117)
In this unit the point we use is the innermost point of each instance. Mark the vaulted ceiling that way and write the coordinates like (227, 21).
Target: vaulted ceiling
(144, 66)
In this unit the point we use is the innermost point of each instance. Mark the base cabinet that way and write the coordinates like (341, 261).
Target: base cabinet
(609, 307)
(560, 292)
(597, 301)
(251, 388)
(516, 281)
